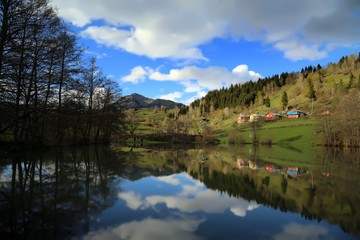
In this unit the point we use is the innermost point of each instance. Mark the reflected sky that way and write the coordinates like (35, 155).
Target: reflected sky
(180, 207)
(96, 194)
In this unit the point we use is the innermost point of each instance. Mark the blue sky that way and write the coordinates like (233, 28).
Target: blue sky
(181, 49)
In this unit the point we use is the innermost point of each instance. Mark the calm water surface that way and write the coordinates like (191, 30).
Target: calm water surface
(180, 193)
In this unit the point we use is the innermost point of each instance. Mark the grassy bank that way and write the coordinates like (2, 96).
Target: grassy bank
(295, 132)
(289, 133)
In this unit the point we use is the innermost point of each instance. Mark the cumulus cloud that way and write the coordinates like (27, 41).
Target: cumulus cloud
(176, 28)
(297, 51)
(174, 96)
(243, 72)
(194, 79)
(137, 74)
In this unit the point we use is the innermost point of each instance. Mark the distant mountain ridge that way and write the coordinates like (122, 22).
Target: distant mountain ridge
(138, 101)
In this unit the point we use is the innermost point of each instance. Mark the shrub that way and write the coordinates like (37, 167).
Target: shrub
(267, 141)
(235, 138)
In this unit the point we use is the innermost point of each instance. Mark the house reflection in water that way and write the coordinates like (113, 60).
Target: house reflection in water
(240, 163)
(288, 171)
(293, 172)
(253, 165)
(270, 168)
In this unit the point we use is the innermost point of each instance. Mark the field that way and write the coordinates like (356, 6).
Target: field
(286, 133)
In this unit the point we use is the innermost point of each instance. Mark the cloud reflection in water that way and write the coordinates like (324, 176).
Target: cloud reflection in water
(193, 197)
(150, 229)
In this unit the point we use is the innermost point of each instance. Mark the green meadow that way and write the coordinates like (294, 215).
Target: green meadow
(302, 132)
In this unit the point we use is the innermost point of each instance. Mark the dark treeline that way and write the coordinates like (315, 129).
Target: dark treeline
(242, 95)
(56, 195)
(246, 187)
(49, 93)
(342, 128)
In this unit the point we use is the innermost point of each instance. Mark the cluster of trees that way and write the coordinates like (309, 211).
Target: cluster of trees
(311, 78)
(49, 92)
(342, 128)
(36, 195)
(310, 69)
(243, 95)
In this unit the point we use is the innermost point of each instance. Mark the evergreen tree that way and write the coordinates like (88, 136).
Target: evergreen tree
(284, 100)
(267, 102)
(351, 81)
(318, 67)
(311, 91)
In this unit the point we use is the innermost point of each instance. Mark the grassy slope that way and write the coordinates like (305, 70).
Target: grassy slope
(330, 85)
(297, 133)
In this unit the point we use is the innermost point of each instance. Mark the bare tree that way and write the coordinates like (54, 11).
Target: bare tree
(45, 93)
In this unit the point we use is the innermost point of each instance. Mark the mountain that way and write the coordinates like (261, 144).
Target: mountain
(139, 101)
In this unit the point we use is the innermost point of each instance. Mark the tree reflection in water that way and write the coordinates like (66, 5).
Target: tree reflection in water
(54, 195)
(63, 194)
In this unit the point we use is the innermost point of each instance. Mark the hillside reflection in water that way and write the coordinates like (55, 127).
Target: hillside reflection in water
(180, 193)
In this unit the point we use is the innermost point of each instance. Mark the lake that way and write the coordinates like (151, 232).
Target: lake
(180, 192)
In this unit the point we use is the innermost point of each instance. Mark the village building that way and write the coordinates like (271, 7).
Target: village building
(272, 116)
(256, 117)
(295, 113)
(243, 118)
(325, 113)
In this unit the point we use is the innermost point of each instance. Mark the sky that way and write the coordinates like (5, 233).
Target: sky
(181, 49)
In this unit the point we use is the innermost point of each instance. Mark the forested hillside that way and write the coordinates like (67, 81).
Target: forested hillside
(312, 89)
(333, 89)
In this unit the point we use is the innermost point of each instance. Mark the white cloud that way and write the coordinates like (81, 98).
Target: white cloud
(209, 78)
(176, 28)
(297, 51)
(198, 95)
(196, 79)
(174, 96)
(138, 74)
(75, 15)
(193, 79)
(243, 72)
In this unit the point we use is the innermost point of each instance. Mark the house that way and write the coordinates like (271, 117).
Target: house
(325, 113)
(256, 117)
(272, 116)
(294, 113)
(243, 118)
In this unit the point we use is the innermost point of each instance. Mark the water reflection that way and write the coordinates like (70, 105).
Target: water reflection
(298, 231)
(53, 195)
(190, 197)
(151, 229)
(179, 193)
